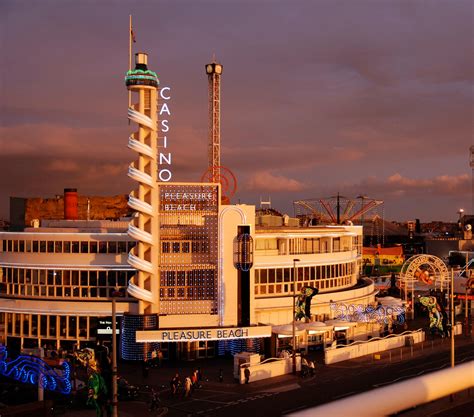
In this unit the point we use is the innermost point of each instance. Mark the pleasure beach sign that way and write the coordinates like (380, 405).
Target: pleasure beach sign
(194, 335)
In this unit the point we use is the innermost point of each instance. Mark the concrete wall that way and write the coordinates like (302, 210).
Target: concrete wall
(357, 349)
(274, 367)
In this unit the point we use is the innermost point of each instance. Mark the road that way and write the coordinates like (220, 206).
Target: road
(283, 395)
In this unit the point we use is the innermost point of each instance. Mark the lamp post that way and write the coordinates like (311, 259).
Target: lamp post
(293, 319)
(115, 293)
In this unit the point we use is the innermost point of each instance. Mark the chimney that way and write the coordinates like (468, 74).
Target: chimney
(70, 204)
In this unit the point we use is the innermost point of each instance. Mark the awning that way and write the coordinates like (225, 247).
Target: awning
(340, 323)
(286, 329)
(315, 325)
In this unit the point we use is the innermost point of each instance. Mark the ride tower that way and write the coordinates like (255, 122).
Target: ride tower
(144, 257)
(214, 72)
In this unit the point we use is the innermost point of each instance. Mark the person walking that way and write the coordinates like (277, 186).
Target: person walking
(194, 380)
(187, 387)
(247, 374)
(174, 383)
(311, 368)
(155, 400)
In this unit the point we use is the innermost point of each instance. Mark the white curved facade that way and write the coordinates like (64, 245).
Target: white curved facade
(56, 282)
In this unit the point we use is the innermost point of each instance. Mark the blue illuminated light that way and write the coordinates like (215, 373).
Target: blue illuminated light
(31, 369)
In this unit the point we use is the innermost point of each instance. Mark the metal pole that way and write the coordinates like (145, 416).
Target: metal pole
(452, 318)
(466, 313)
(114, 360)
(293, 318)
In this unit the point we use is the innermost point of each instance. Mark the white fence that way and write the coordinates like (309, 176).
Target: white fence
(341, 353)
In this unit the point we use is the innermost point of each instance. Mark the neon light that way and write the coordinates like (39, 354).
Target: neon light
(31, 369)
(368, 314)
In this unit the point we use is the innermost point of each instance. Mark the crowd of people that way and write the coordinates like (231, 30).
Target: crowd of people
(191, 383)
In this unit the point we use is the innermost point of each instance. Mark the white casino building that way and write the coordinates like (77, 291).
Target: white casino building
(200, 277)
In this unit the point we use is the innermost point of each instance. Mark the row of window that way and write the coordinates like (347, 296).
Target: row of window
(59, 283)
(305, 273)
(60, 246)
(201, 246)
(50, 327)
(287, 289)
(301, 246)
(196, 284)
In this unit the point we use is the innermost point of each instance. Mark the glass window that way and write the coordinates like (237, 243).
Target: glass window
(84, 247)
(21, 246)
(102, 278)
(122, 247)
(271, 276)
(84, 280)
(67, 247)
(42, 246)
(112, 247)
(166, 247)
(58, 246)
(27, 246)
(75, 247)
(50, 246)
(15, 246)
(102, 247)
(93, 247)
(263, 276)
(185, 247)
(175, 247)
(35, 246)
(93, 278)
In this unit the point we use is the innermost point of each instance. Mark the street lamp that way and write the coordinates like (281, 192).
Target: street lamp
(115, 293)
(293, 319)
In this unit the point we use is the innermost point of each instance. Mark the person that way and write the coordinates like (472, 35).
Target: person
(194, 380)
(160, 357)
(221, 375)
(304, 367)
(247, 374)
(199, 377)
(154, 358)
(311, 368)
(174, 384)
(187, 387)
(155, 400)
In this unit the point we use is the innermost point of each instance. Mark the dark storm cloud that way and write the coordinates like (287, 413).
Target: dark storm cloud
(317, 96)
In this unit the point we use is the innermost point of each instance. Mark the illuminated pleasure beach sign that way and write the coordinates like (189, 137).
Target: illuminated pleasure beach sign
(164, 174)
(194, 335)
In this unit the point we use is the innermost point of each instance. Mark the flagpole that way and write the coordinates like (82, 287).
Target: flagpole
(130, 57)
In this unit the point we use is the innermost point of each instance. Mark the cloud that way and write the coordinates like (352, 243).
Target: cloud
(266, 181)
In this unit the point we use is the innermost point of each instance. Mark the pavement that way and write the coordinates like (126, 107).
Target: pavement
(288, 393)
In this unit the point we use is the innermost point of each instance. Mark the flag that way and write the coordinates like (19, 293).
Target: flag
(132, 33)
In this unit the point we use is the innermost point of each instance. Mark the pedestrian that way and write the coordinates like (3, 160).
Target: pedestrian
(304, 367)
(221, 375)
(145, 368)
(160, 357)
(194, 380)
(247, 374)
(311, 368)
(187, 387)
(199, 375)
(174, 383)
(155, 400)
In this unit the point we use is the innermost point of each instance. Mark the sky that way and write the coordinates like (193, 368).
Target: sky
(318, 97)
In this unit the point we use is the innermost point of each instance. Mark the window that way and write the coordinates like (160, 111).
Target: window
(93, 247)
(42, 246)
(35, 246)
(185, 247)
(84, 247)
(175, 247)
(102, 247)
(75, 247)
(67, 247)
(112, 247)
(50, 246)
(165, 247)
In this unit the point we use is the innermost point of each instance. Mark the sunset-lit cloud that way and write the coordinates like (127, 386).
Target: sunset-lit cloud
(357, 97)
(264, 181)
